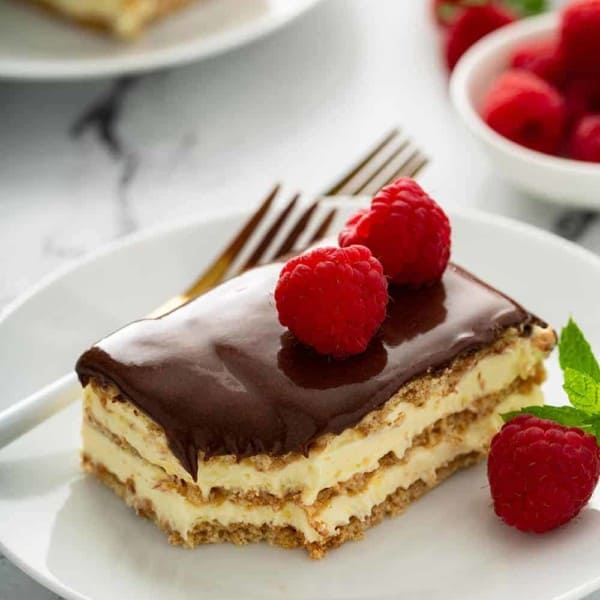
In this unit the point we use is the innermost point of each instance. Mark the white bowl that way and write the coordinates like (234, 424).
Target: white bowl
(559, 180)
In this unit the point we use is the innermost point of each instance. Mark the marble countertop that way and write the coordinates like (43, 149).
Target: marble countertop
(86, 163)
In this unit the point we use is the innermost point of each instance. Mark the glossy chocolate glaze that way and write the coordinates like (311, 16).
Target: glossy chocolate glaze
(222, 376)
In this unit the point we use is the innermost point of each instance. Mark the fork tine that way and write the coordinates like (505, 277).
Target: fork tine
(362, 187)
(421, 164)
(339, 186)
(267, 238)
(378, 168)
(409, 168)
(288, 243)
(402, 165)
(323, 227)
(215, 273)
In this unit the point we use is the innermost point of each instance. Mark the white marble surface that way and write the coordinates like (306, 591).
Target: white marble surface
(298, 107)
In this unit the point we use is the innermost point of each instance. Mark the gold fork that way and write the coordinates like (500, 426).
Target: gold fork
(393, 157)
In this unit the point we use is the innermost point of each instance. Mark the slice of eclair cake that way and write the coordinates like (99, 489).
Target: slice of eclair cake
(215, 422)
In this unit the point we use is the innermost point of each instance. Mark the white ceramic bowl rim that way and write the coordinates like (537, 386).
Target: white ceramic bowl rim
(511, 35)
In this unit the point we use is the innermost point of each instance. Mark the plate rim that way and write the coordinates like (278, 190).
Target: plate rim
(195, 49)
(174, 227)
(183, 224)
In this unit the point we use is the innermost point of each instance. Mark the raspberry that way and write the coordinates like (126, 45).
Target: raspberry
(543, 58)
(333, 299)
(580, 37)
(582, 96)
(585, 140)
(541, 473)
(406, 230)
(525, 109)
(470, 26)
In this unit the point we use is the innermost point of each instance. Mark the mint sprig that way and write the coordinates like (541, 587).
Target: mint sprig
(583, 391)
(581, 382)
(575, 352)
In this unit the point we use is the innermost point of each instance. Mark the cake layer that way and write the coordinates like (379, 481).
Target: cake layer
(450, 425)
(319, 523)
(221, 376)
(335, 459)
(285, 537)
(124, 18)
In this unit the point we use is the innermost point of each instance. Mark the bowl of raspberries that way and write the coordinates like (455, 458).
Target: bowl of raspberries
(530, 92)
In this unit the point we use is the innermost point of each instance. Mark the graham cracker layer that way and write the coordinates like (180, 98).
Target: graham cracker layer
(450, 426)
(285, 537)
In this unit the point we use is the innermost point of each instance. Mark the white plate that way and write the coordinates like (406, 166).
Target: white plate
(75, 537)
(36, 45)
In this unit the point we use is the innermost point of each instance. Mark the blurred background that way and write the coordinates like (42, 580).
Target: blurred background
(84, 163)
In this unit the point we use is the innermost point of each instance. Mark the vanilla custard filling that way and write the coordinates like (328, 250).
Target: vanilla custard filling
(346, 454)
(124, 16)
(182, 515)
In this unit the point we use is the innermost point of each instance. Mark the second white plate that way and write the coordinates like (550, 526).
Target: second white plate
(36, 45)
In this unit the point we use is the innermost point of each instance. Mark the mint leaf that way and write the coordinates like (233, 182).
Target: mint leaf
(527, 8)
(581, 382)
(583, 391)
(565, 415)
(574, 352)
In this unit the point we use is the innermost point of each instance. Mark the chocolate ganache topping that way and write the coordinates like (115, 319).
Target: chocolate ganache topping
(222, 376)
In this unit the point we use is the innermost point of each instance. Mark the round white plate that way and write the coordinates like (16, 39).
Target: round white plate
(78, 539)
(37, 45)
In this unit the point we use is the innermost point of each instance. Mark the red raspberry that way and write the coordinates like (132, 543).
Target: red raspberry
(525, 109)
(543, 58)
(406, 230)
(541, 473)
(470, 26)
(580, 37)
(333, 299)
(585, 140)
(582, 96)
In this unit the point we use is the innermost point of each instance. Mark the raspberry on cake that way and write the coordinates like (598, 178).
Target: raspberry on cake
(122, 18)
(406, 230)
(333, 299)
(216, 423)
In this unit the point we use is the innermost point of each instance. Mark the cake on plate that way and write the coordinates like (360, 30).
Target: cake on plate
(217, 424)
(121, 18)
(301, 403)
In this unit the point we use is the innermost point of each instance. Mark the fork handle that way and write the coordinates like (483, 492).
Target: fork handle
(36, 408)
